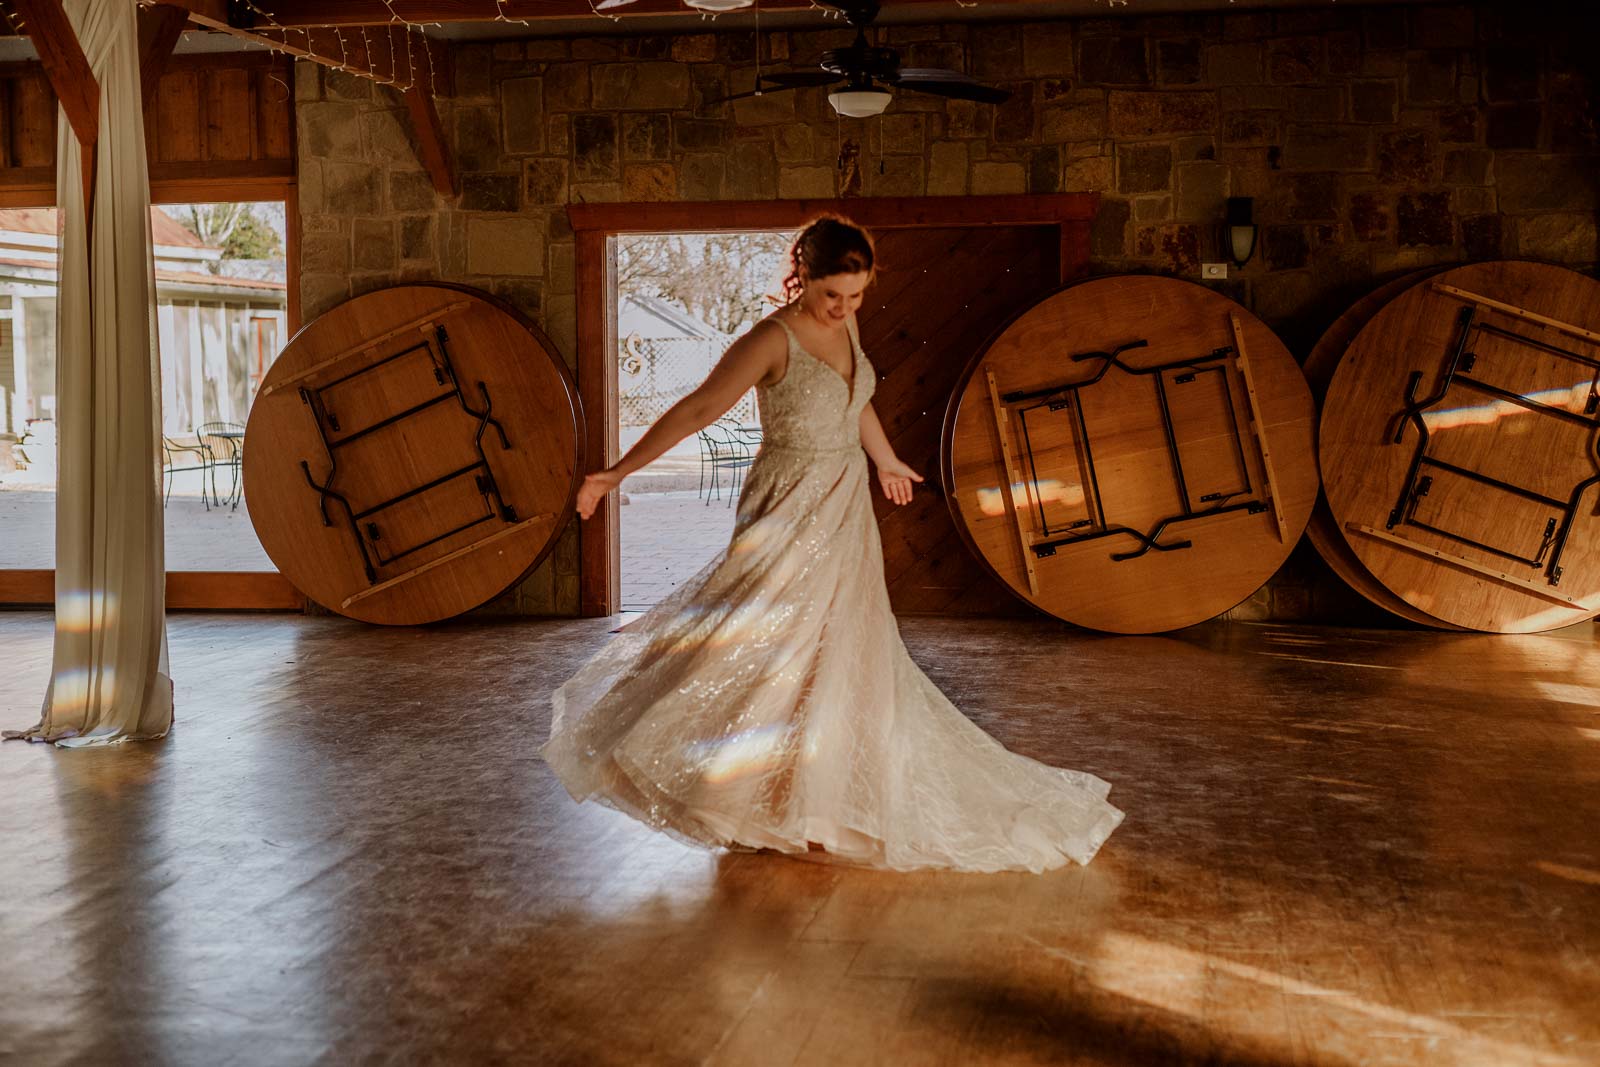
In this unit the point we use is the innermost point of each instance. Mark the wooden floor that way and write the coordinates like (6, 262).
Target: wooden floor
(1341, 847)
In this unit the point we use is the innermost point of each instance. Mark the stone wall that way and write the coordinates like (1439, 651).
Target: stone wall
(1374, 140)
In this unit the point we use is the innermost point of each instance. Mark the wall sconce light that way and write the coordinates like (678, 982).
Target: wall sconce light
(1240, 229)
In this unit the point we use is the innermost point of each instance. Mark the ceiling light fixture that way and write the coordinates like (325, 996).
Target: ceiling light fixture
(859, 103)
(718, 7)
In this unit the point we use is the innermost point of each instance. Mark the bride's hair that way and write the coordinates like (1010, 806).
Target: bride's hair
(830, 244)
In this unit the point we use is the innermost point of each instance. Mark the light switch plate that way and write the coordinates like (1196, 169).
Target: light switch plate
(1213, 271)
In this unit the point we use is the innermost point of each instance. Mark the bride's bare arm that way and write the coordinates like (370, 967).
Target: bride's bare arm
(894, 475)
(746, 362)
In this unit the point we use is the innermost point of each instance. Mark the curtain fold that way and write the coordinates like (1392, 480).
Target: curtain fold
(109, 680)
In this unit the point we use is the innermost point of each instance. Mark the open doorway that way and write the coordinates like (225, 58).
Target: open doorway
(681, 300)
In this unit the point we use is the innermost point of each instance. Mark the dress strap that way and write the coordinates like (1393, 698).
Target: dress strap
(786, 329)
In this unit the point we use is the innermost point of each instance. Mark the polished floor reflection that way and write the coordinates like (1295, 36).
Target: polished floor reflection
(1341, 847)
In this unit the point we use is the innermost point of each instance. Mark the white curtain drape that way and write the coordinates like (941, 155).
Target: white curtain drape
(109, 681)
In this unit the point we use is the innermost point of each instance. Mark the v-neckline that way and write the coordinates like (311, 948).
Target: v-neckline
(855, 364)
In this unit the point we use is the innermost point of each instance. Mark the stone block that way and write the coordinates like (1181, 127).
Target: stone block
(1570, 114)
(1555, 238)
(1108, 235)
(596, 192)
(1344, 52)
(646, 46)
(501, 246)
(1075, 122)
(1239, 63)
(1253, 98)
(947, 169)
(1482, 237)
(1424, 219)
(411, 190)
(768, 109)
(902, 133)
(544, 182)
(1405, 157)
(546, 49)
(1122, 60)
(1328, 148)
(558, 135)
(594, 147)
(1144, 168)
(649, 181)
(1179, 246)
(752, 171)
(805, 183)
(330, 130)
(522, 114)
(322, 292)
(700, 176)
(473, 65)
(1320, 103)
(994, 178)
(1513, 126)
(997, 52)
(374, 244)
(1284, 247)
(1152, 208)
(943, 55)
(324, 253)
(695, 48)
(646, 135)
(1472, 200)
(1252, 127)
(510, 51)
(416, 237)
(1431, 78)
(1383, 28)
(1529, 183)
(1467, 166)
(1436, 26)
(307, 82)
(1191, 149)
(566, 86)
(1311, 197)
(1295, 60)
(1178, 62)
(897, 176)
(1090, 174)
(351, 189)
(693, 135)
(1044, 170)
(1047, 50)
(639, 86)
(1238, 27)
(1150, 114)
(1201, 190)
(561, 271)
(490, 192)
(1510, 73)
(1369, 216)
(477, 139)
(601, 48)
(1375, 101)
(1458, 125)
(795, 143)
(1013, 120)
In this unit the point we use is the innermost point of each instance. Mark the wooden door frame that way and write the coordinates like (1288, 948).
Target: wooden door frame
(596, 225)
(193, 590)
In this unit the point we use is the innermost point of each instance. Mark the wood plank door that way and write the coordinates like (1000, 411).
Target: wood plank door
(941, 294)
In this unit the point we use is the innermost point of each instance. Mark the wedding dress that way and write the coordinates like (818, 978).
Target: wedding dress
(770, 703)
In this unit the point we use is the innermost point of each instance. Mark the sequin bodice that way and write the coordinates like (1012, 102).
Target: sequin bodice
(812, 408)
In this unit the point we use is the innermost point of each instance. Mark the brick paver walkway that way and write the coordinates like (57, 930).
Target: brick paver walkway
(667, 537)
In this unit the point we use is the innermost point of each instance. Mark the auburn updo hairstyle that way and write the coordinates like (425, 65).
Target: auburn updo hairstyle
(829, 244)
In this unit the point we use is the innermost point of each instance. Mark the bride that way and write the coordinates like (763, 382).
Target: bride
(769, 701)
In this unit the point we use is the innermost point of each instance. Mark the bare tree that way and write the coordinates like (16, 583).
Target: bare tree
(723, 279)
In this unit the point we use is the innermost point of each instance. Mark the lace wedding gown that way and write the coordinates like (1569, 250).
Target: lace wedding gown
(769, 702)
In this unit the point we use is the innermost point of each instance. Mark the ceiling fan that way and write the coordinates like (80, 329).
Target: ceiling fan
(863, 71)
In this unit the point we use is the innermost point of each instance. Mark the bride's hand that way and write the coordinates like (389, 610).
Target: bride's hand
(594, 489)
(896, 479)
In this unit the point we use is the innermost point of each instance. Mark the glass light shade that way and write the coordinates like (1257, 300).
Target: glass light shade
(717, 7)
(1243, 242)
(859, 103)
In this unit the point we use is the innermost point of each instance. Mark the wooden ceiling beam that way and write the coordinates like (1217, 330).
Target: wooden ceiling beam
(46, 22)
(377, 12)
(383, 51)
(159, 29)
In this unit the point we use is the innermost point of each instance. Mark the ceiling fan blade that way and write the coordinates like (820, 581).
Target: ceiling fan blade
(950, 83)
(800, 79)
(766, 90)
